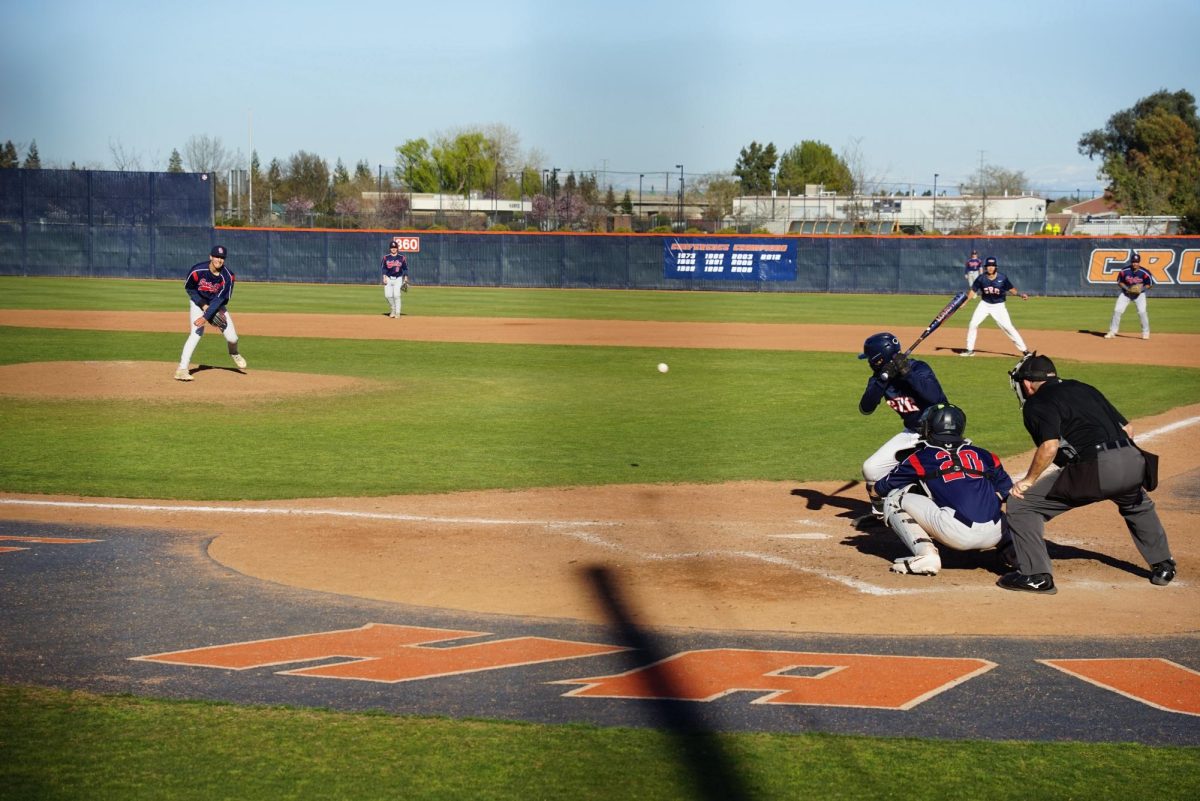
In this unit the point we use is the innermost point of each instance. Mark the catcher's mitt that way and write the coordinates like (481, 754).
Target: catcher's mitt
(220, 320)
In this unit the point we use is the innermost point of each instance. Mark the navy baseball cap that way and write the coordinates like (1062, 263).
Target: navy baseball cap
(218, 252)
(1137, 257)
(990, 261)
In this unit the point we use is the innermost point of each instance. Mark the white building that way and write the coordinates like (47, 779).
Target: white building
(818, 211)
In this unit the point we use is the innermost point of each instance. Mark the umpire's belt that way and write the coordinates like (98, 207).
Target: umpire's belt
(966, 521)
(1090, 452)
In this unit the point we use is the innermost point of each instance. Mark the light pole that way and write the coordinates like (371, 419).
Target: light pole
(640, 177)
(680, 168)
(935, 177)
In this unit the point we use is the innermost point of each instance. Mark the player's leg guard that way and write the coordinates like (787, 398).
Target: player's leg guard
(925, 559)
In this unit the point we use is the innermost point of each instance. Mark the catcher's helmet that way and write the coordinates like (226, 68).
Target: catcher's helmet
(943, 424)
(879, 349)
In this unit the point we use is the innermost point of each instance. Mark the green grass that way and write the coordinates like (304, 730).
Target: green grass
(444, 416)
(70, 745)
(1168, 315)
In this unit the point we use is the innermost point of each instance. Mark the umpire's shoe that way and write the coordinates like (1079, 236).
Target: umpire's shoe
(1162, 572)
(1038, 582)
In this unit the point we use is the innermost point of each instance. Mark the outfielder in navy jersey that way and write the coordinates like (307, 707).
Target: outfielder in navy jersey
(1133, 282)
(974, 267)
(962, 487)
(910, 387)
(209, 287)
(992, 288)
(395, 277)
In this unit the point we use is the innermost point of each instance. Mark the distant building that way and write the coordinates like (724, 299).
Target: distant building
(819, 211)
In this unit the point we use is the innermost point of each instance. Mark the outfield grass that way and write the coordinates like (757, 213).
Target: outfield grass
(72, 745)
(445, 416)
(1168, 315)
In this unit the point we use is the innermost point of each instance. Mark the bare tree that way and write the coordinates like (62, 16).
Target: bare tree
(205, 153)
(124, 160)
(863, 182)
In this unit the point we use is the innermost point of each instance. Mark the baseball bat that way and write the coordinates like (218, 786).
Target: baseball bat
(950, 308)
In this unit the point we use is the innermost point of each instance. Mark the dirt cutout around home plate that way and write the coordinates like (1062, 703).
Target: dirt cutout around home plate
(767, 556)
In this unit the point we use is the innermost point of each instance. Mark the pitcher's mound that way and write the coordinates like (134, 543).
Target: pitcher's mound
(155, 381)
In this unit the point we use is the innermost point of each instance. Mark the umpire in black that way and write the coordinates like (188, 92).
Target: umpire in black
(1075, 427)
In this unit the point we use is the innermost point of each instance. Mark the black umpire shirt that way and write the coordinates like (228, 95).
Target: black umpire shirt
(1075, 412)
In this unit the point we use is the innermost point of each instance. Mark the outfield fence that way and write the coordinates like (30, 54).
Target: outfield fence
(157, 225)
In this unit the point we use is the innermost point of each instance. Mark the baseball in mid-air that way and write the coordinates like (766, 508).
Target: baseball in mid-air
(662, 367)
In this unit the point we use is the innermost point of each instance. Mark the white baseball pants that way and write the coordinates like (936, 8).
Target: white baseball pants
(189, 347)
(999, 313)
(1123, 302)
(391, 291)
(882, 461)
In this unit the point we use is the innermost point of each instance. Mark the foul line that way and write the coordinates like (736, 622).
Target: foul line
(569, 528)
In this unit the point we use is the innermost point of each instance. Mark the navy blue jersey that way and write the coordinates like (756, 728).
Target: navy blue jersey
(395, 266)
(962, 477)
(1134, 276)
(974, 265)
(908, 396)
(210, 289)
(994, 289)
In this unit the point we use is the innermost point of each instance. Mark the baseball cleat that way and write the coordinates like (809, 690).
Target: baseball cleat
(1161, 573)
(182, 374)
(1146, 335)
(240, 361)
(924, 565)
(1038, 582)
(967, 353)
(1110, 335)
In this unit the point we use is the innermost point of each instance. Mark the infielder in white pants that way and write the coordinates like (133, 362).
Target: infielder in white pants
(958, 503)
(1133, 281)
(993, 288)
(395, 278)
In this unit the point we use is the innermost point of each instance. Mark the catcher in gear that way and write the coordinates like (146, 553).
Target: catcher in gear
(947, 491)
(910, 387)
(209, 287)
(1133, 281)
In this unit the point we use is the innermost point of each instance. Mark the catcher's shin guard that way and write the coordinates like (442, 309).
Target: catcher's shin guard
(925, 559)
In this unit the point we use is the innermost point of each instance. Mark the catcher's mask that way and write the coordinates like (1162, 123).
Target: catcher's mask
(943, 424)
(1031, 368)
(879, 349)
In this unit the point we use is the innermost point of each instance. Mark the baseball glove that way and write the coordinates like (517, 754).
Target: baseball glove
(404, 285)
(220, 320)
(1134, 289)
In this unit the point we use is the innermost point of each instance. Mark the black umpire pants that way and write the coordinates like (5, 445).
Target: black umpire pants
(1116, 476)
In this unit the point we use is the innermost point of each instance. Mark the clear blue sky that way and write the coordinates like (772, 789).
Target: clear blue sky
(617, 87)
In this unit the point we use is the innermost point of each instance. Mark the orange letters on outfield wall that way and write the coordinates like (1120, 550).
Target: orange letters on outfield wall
(1106, 263)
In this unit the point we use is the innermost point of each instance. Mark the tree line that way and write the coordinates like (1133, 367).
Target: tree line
(1148, 154)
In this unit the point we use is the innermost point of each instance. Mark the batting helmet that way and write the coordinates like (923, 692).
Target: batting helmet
(943, 424)
(879, 349)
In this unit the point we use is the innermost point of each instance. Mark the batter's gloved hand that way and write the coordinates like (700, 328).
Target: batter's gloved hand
(898, 367)
(220, 320)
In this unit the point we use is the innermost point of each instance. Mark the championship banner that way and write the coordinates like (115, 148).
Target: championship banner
(730, 259)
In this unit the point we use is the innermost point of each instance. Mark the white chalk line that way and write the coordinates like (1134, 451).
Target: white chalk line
(569, 528)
